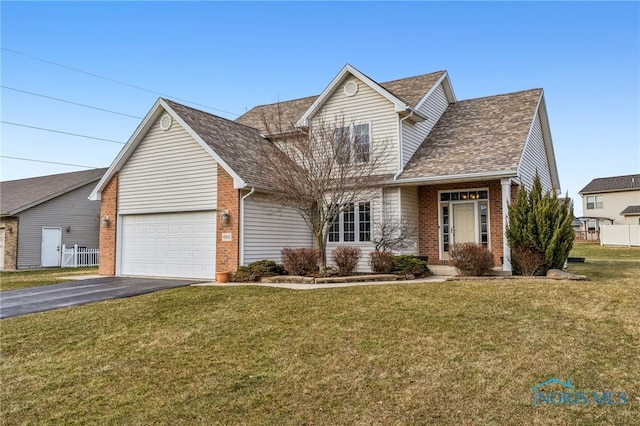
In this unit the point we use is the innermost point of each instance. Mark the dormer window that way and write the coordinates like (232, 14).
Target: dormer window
(352, 144)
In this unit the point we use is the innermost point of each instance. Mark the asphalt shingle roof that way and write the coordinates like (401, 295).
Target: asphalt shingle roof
(237, 145)
(17, 194)
(630, 210)
(614, 183)
(477, 136)
(409, 90)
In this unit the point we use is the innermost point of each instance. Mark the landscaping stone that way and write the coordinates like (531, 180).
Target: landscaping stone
(329, 280)
(557, 274)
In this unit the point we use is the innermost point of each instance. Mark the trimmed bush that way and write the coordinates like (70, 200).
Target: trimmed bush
(408, 265)
(472, 260)
(346, 259)
(255, 271)
(382, 262)
(300, 261)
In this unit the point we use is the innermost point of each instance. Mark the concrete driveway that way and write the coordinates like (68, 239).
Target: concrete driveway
(45, 298)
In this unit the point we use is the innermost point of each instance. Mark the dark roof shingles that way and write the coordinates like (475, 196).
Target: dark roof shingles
(16, 194)
(477, 136)
(630, 210)
(239, 146)
(614, 183)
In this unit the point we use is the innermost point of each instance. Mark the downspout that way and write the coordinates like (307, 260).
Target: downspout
(401, 168)
(241, 242)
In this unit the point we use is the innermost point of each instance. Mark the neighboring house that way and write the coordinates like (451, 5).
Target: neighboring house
(41, 214)
(610, 201)
(185, 196)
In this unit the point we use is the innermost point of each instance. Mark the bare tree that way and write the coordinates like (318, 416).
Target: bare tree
(393, 232)
(321, 170)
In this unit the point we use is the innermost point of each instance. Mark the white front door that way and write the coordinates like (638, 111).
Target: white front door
(464, 224)
(51, 245)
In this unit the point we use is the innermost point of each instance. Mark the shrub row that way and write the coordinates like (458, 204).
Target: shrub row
(304, 261)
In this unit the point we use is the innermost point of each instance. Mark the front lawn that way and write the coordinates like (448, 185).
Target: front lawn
(13, 280)
(439, 353)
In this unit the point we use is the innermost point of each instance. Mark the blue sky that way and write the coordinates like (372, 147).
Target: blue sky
(225, 58)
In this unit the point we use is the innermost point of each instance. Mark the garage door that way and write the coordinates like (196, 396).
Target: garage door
(169, 245)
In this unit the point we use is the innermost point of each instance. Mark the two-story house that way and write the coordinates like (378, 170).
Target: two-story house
(186, 195)
(611, 200)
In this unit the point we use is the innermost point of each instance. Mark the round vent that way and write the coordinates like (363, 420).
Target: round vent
(165, 122)
(351, 88)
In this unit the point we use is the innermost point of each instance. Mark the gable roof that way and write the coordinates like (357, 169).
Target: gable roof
(406, 91)
(22, 194)
(234, 146)
(612, 184)
(482, 136)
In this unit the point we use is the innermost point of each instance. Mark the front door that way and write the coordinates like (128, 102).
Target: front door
(51, 245)
(464, 224)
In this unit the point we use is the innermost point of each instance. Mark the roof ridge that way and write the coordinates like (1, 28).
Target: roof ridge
(209, 114)
(502, 94)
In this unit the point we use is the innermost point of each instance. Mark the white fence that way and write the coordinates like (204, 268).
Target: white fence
(76, 257)
(620, 235)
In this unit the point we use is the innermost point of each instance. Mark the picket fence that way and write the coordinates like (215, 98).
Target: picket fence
(78, 256)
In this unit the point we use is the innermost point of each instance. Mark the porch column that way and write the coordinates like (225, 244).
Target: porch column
(506, 198)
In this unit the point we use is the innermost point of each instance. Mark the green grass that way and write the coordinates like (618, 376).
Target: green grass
(409, 354)
(13, 280)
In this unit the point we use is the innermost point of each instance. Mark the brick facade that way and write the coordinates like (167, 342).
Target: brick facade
(428, 216)
(227, 252)
(9, 226)
(109, 207)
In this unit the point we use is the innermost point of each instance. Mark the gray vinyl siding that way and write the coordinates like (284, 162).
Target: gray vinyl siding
(534, 158)
(168, 172)
(414, 134)
(269, 228)
(72, 210)
(402, 202)
(409, 210)
(368, 106)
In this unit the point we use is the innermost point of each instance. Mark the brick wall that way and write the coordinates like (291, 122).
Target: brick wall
(9, 227)
(109, 207)
(428, 216)
(227, 252)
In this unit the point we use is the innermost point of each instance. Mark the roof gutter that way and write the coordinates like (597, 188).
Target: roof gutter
(458, 178)
(401, 166)
(241, 238)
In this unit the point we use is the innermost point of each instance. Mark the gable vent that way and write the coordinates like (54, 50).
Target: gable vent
(350, 88)
(165, 122)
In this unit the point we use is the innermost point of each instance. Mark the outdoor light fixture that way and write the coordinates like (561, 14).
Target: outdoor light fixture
(105, 221)
(68, 229)
(224, 216)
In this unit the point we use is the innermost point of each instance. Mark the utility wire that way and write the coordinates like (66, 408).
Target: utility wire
(69, 102)
(115, 81)
(48, 162)
(59, 131)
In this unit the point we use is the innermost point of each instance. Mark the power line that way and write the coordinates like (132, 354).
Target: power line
(59, 131)
(69, 102)
(115, 81)
(49, 162)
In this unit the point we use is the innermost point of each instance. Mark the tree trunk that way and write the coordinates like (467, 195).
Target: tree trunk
(322, 251)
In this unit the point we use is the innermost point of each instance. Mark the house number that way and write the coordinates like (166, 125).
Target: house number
(226, 236)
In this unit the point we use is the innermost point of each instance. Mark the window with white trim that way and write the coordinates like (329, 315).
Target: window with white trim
(594, 202)
(352, 144)
(352, 225)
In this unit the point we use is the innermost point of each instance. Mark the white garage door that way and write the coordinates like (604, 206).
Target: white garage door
(169, 245)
